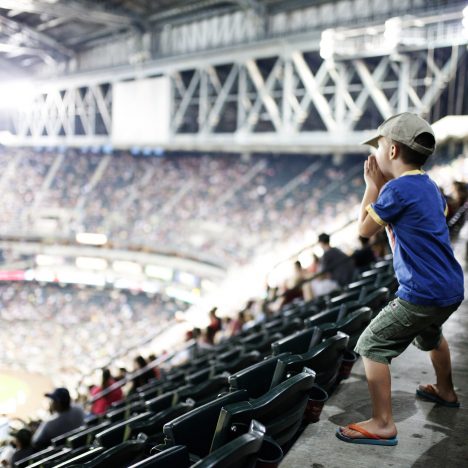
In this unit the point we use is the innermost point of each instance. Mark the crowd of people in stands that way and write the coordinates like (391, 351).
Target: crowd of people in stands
(84, 325)
(179, 203)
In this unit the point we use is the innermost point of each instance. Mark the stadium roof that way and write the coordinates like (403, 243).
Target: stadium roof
(34, 31)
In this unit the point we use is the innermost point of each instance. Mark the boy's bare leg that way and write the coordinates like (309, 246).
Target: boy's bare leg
(440, 358)
(379, 382)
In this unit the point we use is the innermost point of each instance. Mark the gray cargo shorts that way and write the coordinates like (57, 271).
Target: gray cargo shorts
(400, 323)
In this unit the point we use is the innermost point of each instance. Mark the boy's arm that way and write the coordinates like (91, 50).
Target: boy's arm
(374, 179)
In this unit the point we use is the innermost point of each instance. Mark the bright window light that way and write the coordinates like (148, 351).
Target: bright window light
(129, 268)
(16, 94)
(159, 272)
(90, 238)
(91, 263)
(327, 44)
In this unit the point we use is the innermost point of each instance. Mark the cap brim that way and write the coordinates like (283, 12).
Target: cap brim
(374, 141)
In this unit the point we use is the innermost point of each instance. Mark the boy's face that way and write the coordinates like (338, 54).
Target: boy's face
(383, 156)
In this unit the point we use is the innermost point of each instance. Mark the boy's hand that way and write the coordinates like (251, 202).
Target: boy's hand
(372, 174)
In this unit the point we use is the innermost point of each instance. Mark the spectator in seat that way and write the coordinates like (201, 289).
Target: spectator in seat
(143, 378)
(101, 405)
(335, 263)
(22, 441)
(68, 417)
(363, 257)
(215, 321)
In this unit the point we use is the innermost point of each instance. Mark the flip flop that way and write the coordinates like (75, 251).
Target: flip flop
(369, 439)
(432, 396)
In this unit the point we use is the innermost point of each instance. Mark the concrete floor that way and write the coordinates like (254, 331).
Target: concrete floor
(429, 436)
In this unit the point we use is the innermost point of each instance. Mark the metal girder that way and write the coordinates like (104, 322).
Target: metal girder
(285, 90)
(70, 9)
(57, 113)
(27, 35)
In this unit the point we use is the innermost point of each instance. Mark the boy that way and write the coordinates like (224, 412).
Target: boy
(401, 197)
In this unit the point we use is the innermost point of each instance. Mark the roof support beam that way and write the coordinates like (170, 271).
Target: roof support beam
(72, 9)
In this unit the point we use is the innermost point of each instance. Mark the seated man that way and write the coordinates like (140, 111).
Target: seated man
(22, 444)
(68, 417)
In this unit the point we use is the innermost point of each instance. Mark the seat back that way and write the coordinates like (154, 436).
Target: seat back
(80, 459)
(298, 343)
(85, 437)
(195, 429)
(240, 453)
(50, 459)
(376, 299)
(153, 426)
(161, 402)
(280, 410)
(324, 359)
(173, 457)
(122, 455)
(256, 379)
(118, 433)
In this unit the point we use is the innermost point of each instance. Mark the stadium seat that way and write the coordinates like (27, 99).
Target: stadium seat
(298, 343)
(196, 428)
(324, 359)
(117, 433)
(256, 379)
(49, 460)
(153, 426)
(352, 324)
(79, 460)
(86, 437)
(173, 457)
(125, 411)
(280, 410)
(116, 457)
(205, 391)
(239, 453)
(161, 402)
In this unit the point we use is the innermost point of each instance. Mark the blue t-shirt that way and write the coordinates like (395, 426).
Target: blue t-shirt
(413, 211)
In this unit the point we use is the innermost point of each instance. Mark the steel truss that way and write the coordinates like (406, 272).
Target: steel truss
(281, 96)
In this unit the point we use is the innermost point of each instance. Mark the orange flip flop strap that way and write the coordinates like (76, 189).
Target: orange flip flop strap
(357, 428)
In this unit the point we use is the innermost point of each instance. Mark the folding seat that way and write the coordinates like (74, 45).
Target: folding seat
(173, 457)
(161, 402)
(71, 453)
(196, 428)
(352, 324)
(125, 411)
(243, 360)
(60, 440)
(80, 459)
(38, 456)
(376, 299)
(280, 410)
(120, 456)
(297, 343)
(153, 426)
(324, 359)
(206, 391)
(358, 284)
(50, 458)
(117, 433)
(240, 453)
(345, 297)
(86, 437)
(256, 379)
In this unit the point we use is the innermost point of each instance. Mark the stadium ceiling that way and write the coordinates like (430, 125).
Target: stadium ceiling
(51, 31)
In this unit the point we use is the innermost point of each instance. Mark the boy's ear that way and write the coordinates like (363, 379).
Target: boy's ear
(394, 151)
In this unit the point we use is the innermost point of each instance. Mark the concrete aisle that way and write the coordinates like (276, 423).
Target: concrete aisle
(429, 436)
